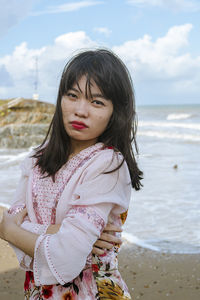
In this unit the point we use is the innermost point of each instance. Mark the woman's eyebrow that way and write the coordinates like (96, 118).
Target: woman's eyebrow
(98, 95)
(73, 89)
(92, 95)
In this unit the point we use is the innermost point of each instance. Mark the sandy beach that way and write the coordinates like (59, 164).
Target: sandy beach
(149, 275)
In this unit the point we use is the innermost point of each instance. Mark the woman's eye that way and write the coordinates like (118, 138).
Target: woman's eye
(72, 95)
(98, 103)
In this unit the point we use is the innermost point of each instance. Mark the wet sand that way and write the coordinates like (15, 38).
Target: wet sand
(149, 275)
(158, 276)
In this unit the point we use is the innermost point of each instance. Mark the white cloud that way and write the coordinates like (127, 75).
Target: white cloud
(162, 63)
(158, 67)
(5, 77)
(67, 7)
(104, 30)
(20, 65)
(12, 12)
(160, 59)
(175, 5)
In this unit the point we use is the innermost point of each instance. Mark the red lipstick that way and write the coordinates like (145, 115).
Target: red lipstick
(78, 125)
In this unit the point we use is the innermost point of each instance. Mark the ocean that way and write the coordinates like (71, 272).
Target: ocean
(165, 214)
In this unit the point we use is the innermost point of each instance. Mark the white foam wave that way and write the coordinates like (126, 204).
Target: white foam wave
(178, 116)
(170, 124)
(163, 247)
(170, 135)
(135, 240)
(146, 155)
(10, 160)
(4, 205)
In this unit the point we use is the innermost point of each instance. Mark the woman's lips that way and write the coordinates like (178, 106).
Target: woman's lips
(78, 125)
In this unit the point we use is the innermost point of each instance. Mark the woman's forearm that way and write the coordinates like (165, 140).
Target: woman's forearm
(25, 240)
(22, 239)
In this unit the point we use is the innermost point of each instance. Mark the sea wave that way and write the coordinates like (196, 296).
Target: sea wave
(5, 205)
(130, 238)
(179, 116)
(194, 126)
(12, 159)
(164, 246)
(170, 135)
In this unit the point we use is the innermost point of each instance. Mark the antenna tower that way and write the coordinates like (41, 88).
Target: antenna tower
(36, 95)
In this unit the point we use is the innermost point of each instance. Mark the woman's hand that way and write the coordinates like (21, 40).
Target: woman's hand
(52, 229)
(107, 239)
(9, 221)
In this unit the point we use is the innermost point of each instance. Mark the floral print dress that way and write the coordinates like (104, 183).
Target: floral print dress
(100, 278)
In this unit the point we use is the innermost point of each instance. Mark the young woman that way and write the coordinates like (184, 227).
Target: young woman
(76, 182)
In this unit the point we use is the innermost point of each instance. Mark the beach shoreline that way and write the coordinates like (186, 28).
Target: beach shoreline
(149, 275)
(152, 275)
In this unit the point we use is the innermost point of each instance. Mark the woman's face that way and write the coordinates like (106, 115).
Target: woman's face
(85, 119)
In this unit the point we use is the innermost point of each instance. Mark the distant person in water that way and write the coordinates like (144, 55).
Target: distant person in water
(75, 183)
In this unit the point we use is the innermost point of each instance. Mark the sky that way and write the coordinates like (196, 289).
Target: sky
(158, 40)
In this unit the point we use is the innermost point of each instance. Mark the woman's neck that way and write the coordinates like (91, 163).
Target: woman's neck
(78, 146)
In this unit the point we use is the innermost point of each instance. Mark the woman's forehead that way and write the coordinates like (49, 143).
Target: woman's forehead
(86, 86)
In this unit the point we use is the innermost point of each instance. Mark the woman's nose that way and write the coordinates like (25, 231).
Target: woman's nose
(81, 109)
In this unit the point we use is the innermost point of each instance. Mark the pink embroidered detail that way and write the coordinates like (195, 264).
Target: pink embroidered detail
(88, 213)
(15, 209)
(46, 193)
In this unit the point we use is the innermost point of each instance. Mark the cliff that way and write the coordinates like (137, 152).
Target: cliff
(24, 122)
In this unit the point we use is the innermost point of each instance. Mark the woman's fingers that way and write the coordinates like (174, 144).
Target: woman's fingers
(110, 238)
(107, 239)
(111, 227)
(21, 215)
(97, 251)
(103, 245)
(24, 212)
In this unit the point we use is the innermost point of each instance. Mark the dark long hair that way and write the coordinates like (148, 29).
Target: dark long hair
(113, 79)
